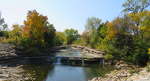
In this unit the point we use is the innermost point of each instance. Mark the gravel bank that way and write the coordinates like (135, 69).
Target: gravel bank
(125, 72)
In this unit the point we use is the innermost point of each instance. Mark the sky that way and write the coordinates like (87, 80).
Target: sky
(62, 14)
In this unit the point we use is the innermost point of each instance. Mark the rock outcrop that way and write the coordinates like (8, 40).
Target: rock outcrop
(7, 50)
(9, 71)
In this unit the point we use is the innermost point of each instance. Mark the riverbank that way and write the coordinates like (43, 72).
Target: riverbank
(123, 71)
(12, 63)
(11, 68)
(126, 72)
(12, 73)
(88, 50)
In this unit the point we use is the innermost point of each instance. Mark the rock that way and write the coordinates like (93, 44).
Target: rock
(8, 73)
(124, 75)
(3, 67)
(4, 75)
(3, 79)
(7, 50)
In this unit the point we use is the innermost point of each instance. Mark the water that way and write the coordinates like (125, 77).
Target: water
(61, 72)
(58, 72)
(74, 73)
(58, 61)
(67, 73)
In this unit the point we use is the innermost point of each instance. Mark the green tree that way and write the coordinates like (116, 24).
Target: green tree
(60, 38)
(16, 34)
(71, 35)
(49, 35)
(91, 27)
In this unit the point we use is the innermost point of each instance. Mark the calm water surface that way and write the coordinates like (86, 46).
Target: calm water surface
(60, 72)
(75, 73)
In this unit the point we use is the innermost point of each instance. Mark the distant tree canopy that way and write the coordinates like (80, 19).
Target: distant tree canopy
(16, 33)
(71, 35)
(60, 38)
(91, 27)
(3, 27)
(92, 24)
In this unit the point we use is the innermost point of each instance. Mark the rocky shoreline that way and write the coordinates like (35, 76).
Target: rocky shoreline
(89, 50)
(13, 63)
(126, 72)
(9, 71)
(7, 50)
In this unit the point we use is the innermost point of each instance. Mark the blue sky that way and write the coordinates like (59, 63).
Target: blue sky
(62, 13)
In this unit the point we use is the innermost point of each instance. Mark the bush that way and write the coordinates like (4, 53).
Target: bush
(140, 59)
(148, 67)
(4, 34)
(32, 51)
(108, 57)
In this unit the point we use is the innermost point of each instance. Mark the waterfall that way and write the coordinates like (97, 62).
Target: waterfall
(58, 60)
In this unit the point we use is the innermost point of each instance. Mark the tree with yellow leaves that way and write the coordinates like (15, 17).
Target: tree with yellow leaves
(37, 29)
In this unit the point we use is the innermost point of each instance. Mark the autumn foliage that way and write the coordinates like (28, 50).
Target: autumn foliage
(37, 29)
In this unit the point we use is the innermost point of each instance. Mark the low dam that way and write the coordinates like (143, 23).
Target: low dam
(73, 64)
(79, 56)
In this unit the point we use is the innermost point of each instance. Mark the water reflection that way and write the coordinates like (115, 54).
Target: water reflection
(60, 71)
(67, 73)
(76, 73)
(37, 72)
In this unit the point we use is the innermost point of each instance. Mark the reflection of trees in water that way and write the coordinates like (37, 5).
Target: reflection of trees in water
(37, 72)
(97, 70)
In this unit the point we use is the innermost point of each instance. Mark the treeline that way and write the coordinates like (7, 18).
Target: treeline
(127, 37)
(36, 34)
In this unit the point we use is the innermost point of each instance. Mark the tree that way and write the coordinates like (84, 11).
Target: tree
(49, 35)
(118, 39)
(86, 37)
(38, 30)
(60, 38)
(16, 33)
(3, 27)
(145, 26)
(140, 23)
(91, 27)
(92, 24)
(71, 35)
(136, 5)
